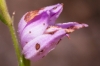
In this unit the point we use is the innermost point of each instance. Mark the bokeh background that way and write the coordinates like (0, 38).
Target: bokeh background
(83, 49)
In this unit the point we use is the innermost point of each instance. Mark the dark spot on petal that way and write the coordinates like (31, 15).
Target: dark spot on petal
(59, 41)
(29, 31)
(30, 15)
(37, 46)
(41, 51)
(26, 42)
(43, 23)
(43, 56)
(70, 27)
(55, 7)
(48, 27)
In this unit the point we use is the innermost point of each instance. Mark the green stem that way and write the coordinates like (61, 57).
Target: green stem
(21, 59)
(16, 45)
(26, 62)
(5, 18)
(4, 12)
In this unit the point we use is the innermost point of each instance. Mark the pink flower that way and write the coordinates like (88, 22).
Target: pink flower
(39, 34)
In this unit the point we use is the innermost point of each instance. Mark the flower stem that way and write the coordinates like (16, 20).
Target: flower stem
(16, 45)
(26, 61)
(4, 15)
(6, 19)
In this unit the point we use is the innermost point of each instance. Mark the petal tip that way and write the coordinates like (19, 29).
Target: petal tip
(85, 25)
(62, 4)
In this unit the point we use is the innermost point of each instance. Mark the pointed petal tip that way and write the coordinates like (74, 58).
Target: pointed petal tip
(68, 36)
(79, 23)
(78, 26)
(85, 25)
(62, 4)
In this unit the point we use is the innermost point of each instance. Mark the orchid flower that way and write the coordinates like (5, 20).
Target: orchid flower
(39, 34)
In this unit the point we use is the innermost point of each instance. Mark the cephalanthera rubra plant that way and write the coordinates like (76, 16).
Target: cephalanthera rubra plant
(38, 32)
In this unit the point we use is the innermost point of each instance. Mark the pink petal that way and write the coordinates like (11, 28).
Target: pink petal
(42, 45)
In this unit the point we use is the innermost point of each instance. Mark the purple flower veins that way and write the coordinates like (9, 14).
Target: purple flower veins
(39, 34)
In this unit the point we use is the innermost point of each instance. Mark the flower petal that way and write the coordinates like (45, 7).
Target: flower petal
(39, 34)
(33, 16)
(68, 27)
(21, 24)
(34, 29)
(55, 12)
(38, 19)
(71, 25)
(40, 46)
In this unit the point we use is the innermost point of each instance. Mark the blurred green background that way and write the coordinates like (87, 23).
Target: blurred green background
(83, 49)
